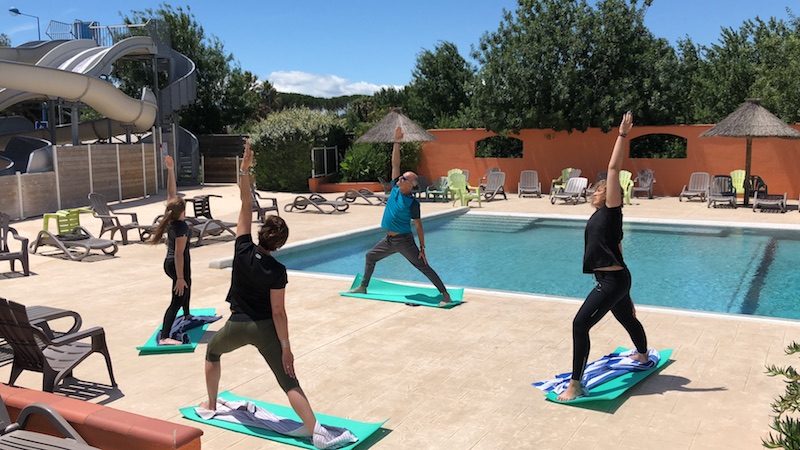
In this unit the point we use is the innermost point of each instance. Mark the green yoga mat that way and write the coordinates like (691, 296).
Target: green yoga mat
(151, 347)
(615, 387)
(402, 293)
(361, 430)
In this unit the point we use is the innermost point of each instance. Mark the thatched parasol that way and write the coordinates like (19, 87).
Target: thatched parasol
(383, 131)
(750, 121)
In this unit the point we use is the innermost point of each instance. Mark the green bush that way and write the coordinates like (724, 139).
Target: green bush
(282, 144)
(367, 162)
(363, 162)
(786, 427)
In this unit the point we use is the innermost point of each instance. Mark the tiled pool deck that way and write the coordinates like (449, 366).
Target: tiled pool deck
(446, 379)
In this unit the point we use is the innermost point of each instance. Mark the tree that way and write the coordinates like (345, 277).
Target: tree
(562, 64)
(439, 85)
(242, 97)
(218, 83)
(5, 41)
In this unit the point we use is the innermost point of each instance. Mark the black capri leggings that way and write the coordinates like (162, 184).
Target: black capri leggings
(612, 293)
(262, 335)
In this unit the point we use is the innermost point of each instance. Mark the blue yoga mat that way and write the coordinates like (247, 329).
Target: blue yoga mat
(403, 293)
(151, 347)
(615, 387)
(361, 430)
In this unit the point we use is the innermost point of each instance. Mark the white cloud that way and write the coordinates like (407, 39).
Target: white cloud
(325, 86)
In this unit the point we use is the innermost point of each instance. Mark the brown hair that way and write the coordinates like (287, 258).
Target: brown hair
(175, 207)
(273, 234)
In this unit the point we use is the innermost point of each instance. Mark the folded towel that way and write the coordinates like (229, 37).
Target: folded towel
(249, 414)
(598, 372)
(182, 325)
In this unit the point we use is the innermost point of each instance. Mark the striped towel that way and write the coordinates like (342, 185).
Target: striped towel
(598, 372)
(251, 415)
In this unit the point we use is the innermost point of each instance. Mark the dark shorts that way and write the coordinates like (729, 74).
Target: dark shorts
(260, 334)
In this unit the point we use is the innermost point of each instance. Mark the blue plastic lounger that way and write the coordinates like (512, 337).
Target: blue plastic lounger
(610, 381)
(361, 430)
(403, 293)
(193, 335)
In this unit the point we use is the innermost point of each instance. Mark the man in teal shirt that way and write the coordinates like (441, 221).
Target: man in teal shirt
(401, 209)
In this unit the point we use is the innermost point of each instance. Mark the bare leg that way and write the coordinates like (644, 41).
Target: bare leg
(574, 390)
(302, 407)
(213, 375)
(169, 341)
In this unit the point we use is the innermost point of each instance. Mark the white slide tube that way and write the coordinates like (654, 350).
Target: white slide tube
(99, 94)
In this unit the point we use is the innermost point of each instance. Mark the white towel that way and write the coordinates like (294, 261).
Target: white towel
(598, 372)
(249, 414)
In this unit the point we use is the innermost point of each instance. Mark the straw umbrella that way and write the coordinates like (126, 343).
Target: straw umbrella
(383, 131)
(750, 121)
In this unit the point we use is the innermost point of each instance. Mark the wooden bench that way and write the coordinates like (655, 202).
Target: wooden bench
(102, 426)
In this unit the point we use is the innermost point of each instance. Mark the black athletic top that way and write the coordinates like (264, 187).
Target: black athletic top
(602, 237)
(254, 274)
(178, 229)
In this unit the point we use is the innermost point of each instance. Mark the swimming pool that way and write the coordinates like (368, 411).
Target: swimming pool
(709, 268)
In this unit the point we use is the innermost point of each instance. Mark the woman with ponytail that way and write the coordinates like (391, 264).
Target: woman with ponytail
(177, 264)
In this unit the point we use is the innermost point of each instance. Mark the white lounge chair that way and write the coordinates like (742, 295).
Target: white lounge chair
(697, 187)
(574, 190)
(529, 184)
(721, 191)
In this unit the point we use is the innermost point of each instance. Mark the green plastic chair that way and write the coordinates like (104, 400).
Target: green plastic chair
(626, 183)
(737, 177)
(66, 219)
(461, 191)
(439, 188)
(559, 183)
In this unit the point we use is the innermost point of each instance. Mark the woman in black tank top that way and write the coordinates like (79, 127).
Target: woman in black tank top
(603, 258)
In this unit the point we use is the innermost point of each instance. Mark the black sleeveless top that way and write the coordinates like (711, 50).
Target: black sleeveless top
(601, 239)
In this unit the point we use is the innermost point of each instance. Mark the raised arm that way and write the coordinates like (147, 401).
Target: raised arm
(172, 185)
(613, 194)
(245, 222)
(398, 136)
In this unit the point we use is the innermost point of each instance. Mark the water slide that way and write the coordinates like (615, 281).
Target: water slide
(69, 70)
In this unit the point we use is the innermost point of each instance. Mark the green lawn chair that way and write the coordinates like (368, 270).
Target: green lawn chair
(461, 191)
(439, 188)
(626, 183)
(66, 219)
(737, 177)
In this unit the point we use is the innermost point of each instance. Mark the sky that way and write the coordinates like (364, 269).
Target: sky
(328, 48)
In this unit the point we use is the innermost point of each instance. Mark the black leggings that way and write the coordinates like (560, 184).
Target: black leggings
(178, 301)
(612, 293)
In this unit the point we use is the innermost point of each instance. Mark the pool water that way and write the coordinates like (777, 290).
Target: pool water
(720, 269)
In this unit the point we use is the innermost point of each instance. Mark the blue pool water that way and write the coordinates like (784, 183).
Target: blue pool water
(720, 269)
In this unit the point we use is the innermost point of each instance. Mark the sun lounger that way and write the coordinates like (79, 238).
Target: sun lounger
(575, 189)
(495, 185)
(771, 200)
(697, 187)
(110, 219)
(529, 184)
(76, 245)
(721, 191)
(301, 203)
(365, 194)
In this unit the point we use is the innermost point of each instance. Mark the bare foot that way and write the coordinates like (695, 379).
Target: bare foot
(169, 341)
(641, 358)
(358, 290)
(204, 405)
(446, 299)
(574, 390)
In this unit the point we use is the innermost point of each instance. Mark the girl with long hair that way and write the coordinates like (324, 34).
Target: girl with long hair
(177, 263)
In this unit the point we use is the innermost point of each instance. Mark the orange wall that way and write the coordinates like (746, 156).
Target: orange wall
(777, 161)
